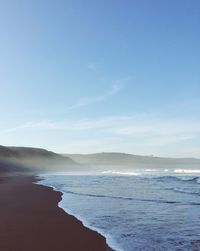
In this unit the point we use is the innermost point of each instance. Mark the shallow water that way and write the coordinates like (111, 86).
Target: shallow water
(140, 210)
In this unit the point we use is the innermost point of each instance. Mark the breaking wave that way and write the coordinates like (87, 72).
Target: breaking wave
(132, 198)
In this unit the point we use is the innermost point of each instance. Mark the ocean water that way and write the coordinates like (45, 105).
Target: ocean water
(135, 210)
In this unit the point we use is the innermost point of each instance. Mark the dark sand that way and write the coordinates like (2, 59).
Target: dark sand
(30, 220)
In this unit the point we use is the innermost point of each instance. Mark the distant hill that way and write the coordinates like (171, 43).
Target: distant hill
(6, 166)
(33, 159)
(30, 152)
(23, 159)
(123, 159)
(6, 152)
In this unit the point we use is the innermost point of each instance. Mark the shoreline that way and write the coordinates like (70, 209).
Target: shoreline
(32, 220)
(109, 241)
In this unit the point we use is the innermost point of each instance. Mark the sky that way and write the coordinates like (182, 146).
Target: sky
(84, 76)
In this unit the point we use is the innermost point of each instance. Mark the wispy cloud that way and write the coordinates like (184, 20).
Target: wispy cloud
(115, 88)
(146, 129)
(70, 125)
(92, 66)
(137, 133)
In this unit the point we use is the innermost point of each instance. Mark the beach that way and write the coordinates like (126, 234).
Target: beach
(31, 220)
(139, 210)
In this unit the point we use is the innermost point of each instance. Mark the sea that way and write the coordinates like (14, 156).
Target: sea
(149, 209)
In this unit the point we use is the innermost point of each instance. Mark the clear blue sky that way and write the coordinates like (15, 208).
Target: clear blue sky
(111, 75)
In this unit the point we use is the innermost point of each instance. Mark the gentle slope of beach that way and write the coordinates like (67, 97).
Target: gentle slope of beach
(31, 220)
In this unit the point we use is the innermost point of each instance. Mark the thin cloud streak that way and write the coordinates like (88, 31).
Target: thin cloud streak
(115, 88)
(143, 128)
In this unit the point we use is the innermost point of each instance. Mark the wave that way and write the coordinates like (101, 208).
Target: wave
(146, 174)
(179, 178)
(186, 190)
(131, 198)
(150, 170)
(187, 171)
(121, 173)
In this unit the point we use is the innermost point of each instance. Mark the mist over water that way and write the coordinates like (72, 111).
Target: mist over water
(140, 209)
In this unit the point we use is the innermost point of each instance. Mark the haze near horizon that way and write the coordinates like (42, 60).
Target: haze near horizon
(97, 76)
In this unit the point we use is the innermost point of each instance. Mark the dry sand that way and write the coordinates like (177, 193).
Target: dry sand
(32, 221)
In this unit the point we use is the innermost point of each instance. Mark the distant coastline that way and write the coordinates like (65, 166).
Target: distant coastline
(37, 160)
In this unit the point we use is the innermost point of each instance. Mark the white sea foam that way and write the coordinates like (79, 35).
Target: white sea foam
(150, 170)
(109, 240)
(187, 171)
(120, 173)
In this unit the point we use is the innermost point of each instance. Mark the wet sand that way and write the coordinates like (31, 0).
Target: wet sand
(32, 221)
